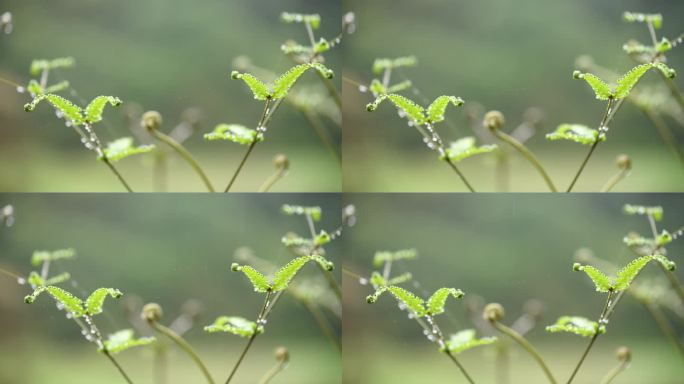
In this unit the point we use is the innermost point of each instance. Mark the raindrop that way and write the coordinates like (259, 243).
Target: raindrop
(363, 89)
(21, 281)
(363, 281)
(21, 89)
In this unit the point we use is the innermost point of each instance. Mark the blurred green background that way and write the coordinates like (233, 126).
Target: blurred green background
(509, 56)
(166, 56)
(507, 249)
(167, 249)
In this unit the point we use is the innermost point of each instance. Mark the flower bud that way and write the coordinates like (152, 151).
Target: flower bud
(623, 354)
(494, 120)
(152, 312)
(624, 162)
(281, 161)
(151, 120)
(493, 312)
(282, 355)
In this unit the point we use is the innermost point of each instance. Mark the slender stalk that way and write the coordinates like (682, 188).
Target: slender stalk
(664, 325)
(268, 183)
(332, 90)
(276, 369)
(614, 180)
(607, 309)
(160, 364)
(520, 147)
(518, 338)
(502, 362)
(185, 347)
(328, 275)
(260, 317)
(458, 172)
(11, 274)
(323, 324)
(664, 132)
(318, 127)
(676, 94)
(458, 364)
(119, 367)
(116, 172)
(674, 282)
(185, 154)
(10, 82)
(612, 374)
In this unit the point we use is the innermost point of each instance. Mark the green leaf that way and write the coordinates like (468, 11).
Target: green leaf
(29, 299)
(379, 65)
(435, 111)
(656, 212)
(601, 89)
(404, 85)
(664, 45)
(435, 304)
(96, 300)
(71, 111)
(635, 17)
(322, 238)
(577, 133)
(381, 257)
(34, 88)
(665, 262)
(412, 302)
(235, 133)
(377, 88)
(258, 280)
(464, 148)
(93, 112)
(633, 47)
(283, 83)
(38, 66)
(322, 46)
(292, 240)
(601, 281)
(123, 147)
(404, 277)
(313, 19)
(314, 212)
(284, 275)
(123, 340)
(578, 325)
(291, 47)
(58, 87)
(377, 280)
(415, 112)
(70, 302)
(323, 262)
(466, 339)
(665, 70)
(664, 238)
(35, 280)
(258, 87)
(323, 70)
(62, 277)
(41, 256)
(235, 325)
(635, 240)
(629, 80)
(370, 299)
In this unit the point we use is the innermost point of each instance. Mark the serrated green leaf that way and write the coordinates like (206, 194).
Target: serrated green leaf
(377, 280)
(123, 340)
(258, 280)
(664, 45)
(314, 212)
(322, 238)
(95, 301)
(578, 325)
(29, 299)
(635, 240)
(71, 111)
(282, 278)
(57, 87)
(235, 133)
(62, 277)
(323, 70)
(634, 47)
(322, 46)
(377, 88)
(466, 339)
(37, 66)
(283, 83)
(235, 325)
(665, 70)
(577, 133)
(412, 302)
(60, 254)
(313, 19)
(404, 85)
(323, 262)
(601, 281)
(600, 87)
(34, 88)
(435, 304)
(70, 302)
(436, 110)
(664, 238)
(295, 241)
(123, 147)
(379, 65)
(381, 257)
(93, 112)
(35, 279)
(629, 80)
(665, 262)
(404, 277)
(258, 87)
(464, 148)
(413, 111)
(628, 273)
(370, 299)
(636, 17)
(292, 47)
(656, 212)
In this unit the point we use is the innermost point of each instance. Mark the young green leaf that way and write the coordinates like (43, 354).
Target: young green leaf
(58, 87)
(635, 17)
(123, 340)
(634, 47)
(379, 65)
(62, 277)
(323, 262)
(235, 133)
(70, 302)
(282, 278)
(656, 212)
(235, 325)
(291, 47)
(34, 88)
(313, 19)
(435, 111)
(381, 257)
(70, 110)
(323, 70)
(601, 281)
(578, 325)
(635, 240)
(377, 280)
(95, 301)
(258, 280)
(283, 83)
(577, 133)
(322, 238)
(38, 66)
(601, 89)
(412, 302)
(93, 112)
(41, 256)
(664, 238)
(629, 80)
(377, 88)
(665, 262)
(464, 148)
(258, 87)
(293, 240)
(664, 45)
(414, 111)
(322, 46)
(122, 148)
(35, 280)
(435, 304)
(404, 277)
(370, 299)
(466, 339)
(665, 70)
(404, 85)
(314, 212)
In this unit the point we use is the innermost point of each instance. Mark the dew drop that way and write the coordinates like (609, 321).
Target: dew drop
(363, 281)
(21, 89)
(363, 89)
(21, 281)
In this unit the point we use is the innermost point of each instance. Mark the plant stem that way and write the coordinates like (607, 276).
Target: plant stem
(11, 274)
(328, 275)
(674, 282)
(185, 154)
(527, 346)
(664, 132)
(520, 147)
(612, 374)
(323, 324)
(185, 347)
(268, 183)
(319, 128)
(239, 168)
(674, 90)
(458, 364)
(458, 172)
(116, 172)
(10, 82)
(664, 325)
(616, 178)
(332, 90)
(160, 364)
(261, 315)
(607, 309)
(116, 364)
(280, 366)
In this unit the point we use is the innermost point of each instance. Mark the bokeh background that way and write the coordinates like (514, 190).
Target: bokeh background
(167, 249)
(509, 56)
(168, 57)
(507, 249)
